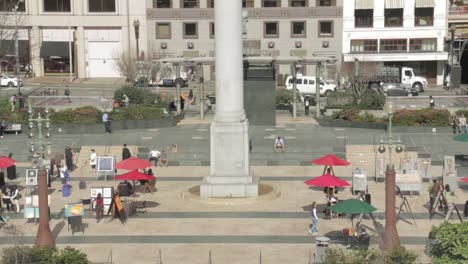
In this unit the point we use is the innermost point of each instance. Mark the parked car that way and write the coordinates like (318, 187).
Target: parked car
(398, 89)
(10, 81)
(306, 85)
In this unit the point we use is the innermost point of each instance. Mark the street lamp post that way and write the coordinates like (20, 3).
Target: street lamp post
(38, 148)
(391, 238)
(136, 25)
(17, 47)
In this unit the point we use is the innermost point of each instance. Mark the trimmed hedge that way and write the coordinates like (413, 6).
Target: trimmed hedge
(422, 117)
(356, 115)
(138, 96)
(346, 100)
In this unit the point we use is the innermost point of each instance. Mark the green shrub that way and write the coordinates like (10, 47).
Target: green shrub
(366, 117)
(451, 246)
(27, 255)
(137, 112)
(462, 112)
(398, 255)
(372, 101)
(347, 114)
(285, 97)
(137, 96)
(82, 115)
(340, 100)
(422, 117)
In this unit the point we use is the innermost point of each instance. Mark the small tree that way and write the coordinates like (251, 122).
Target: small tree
(451, 243)
(8, 20)
(358, 84)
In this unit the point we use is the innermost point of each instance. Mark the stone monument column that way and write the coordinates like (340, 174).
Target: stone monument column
(229, 140)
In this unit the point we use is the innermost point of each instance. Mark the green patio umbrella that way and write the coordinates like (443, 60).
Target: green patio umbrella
(352, 206)
(461, 138)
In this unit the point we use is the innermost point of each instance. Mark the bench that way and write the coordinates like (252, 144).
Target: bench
(14, 128)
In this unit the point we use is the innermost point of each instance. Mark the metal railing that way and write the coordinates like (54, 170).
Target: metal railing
(458, 10)
(64, 102)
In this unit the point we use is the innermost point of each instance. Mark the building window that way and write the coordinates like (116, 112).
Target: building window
(393, 45)
(101, 5)
(189, 3)
(423, 44)
(9, 5)
(163, 30)
(298, 3)
(325, 29)
(247, 3)
(326, 3)
(394, 17)
(363, 18)
(366, 45)
(271, 3)
(162, 3)
(190, 30)
(298, 29)
(212, 30)
(271, 30)
(211, 3)
(424, 16)
(57, 6)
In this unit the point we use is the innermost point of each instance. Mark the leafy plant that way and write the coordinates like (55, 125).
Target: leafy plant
(398, 255)
(137, 96)
(371, 101)
(82, 115)
(285, 97)
(347, 114)
(451, 246)
(26, 255)
(340, 100)
(137, 112)
(366, 117)
(422, 117)
(462, 112)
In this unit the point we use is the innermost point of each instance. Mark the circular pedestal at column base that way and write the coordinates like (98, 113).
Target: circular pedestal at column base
(265, 193)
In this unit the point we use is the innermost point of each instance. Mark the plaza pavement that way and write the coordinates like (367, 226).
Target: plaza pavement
(186, 231)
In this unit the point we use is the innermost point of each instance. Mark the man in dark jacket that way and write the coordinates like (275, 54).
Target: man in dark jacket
(125, 152)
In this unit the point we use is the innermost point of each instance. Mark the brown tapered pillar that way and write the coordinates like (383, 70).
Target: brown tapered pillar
(44, 236)
(391, 238)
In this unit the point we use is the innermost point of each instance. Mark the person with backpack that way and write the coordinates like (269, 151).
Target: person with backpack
(67, 93)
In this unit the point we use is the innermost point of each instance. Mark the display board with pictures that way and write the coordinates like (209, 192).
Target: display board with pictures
(449, 166)
(380, 167)
(106, 194)
(105, 167)
(425, 168)
(410, 166)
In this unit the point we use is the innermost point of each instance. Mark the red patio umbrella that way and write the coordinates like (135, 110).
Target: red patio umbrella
(464, 179)
(133, 164)
(329, 161)
(327, 180)
(134, 175)
(6, 162)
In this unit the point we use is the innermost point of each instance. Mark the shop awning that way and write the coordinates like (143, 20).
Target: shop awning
(54, 49)
(393, 4)
(364, 4)
(425, 3)
(7, 48)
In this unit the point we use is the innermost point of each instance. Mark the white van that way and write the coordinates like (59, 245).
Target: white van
(306, 85)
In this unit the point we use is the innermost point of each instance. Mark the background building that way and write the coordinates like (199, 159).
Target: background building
(276, 27)
(397, 32)
(98, 31)
(458, 29)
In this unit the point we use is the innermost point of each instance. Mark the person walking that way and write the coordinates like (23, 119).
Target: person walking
(13, 102)
(64, 173)
(431, 102)
(448, 195)
(69, 158)
(93, 161)
(29, 71)
(107, 123)
(454, 123)
(314, 228)
(20, 101)
(14, 197)
(3, 126)
(125, 152)
(433, 191)
(462, 123)
(99, 208)
(67, 93)
(306, 105)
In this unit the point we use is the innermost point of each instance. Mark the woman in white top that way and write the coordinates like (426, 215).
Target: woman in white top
(63, 173)
(93, 161)
(313, 229)
(14, 198)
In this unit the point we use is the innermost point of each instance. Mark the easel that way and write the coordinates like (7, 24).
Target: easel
(450, 212)
(405, 203)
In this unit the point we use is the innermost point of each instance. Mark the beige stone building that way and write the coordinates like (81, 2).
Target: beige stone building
(273, 27)
(95, 31)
